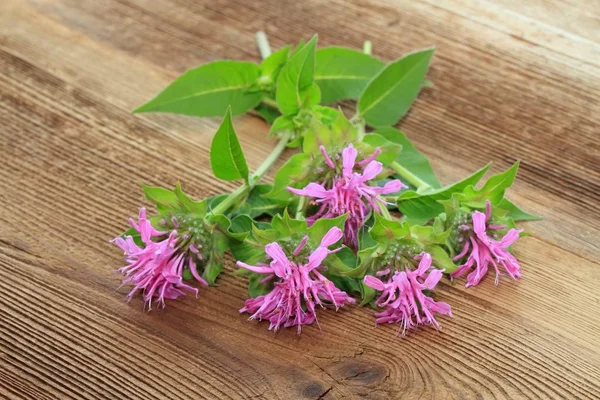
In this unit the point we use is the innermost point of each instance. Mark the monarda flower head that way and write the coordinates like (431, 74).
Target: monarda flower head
(349, 192)
(402, 295)
(156, 268)
(298, 285)
(481, 247)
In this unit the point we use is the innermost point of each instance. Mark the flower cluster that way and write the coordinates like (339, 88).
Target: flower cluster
(349, 192)
(403, 298)
(298, 287)
(397, 242)
(156, 268)
(481, 250)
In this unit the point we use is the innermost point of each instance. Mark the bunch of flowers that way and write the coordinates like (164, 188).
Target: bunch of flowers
(370, 222)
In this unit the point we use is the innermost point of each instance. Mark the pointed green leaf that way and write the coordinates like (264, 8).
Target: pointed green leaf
(212, 269)
(516, 213)
(389, 95)
(257, 204)
(295, 80)
(282, 123)
(269, 114)
(208, 90)
(493, 189)
(410, 158)
(441, 259)
(316, 134)
(161, 197)
(421, 207)
(286, 226)
(293, 173)
(265, 236)
(197, 208)
(390, 151)
(385, 230)
(322, 226)
(342, 73)
(271, 66)
(367, 293)
(427, 234)
(226, 156)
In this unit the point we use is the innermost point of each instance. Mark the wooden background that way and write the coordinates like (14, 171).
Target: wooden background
(513, 80)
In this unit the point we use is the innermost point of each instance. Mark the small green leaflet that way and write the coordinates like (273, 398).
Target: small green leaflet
(343, 73)
(493, 189)
(295, 86)
(270, 67)
(385, 230)
(321, 226)
(421, 207)
(161, 197)
(293, 173)
(515, 212)
(257, 205)
(389, 95)
(269, 114)
(226, 156)
(410, 158)
(208, 90)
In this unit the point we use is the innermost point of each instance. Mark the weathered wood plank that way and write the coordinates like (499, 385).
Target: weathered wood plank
(512, 81)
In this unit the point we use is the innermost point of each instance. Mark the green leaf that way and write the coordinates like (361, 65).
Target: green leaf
(367, 293)
(270, 67)
(241, 226)
(322, 226)
(212, 269)
(410, 158)
(389, 150)
(295, 82)
(161, 197)
(515, 212)
(269, 114)
(226, 156)
(342, 73)
(293, 173)
(421, 207)
(257, 204)
(343, 131)
(428, 235)
(286, 226)
(390, 94)
(208, 90)
(385, 230)
(197, 208)
(282, 123)
(256, 287)
(265, 236)
(493, 190)
(441, 259)
(316, 134)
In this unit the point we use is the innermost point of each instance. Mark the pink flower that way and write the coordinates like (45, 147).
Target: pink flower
(297, 286)
(349, 192)
(483, 250)
(403, 298)
(157, 268)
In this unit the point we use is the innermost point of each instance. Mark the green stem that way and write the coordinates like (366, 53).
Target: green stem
(300, 209)
(263, 44)
(368, 48)
(244, 189)
(410, 177)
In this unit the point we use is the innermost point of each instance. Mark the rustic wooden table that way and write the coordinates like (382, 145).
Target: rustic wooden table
(513, 80)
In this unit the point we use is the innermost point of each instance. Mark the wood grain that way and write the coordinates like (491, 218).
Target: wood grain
(513, 80)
